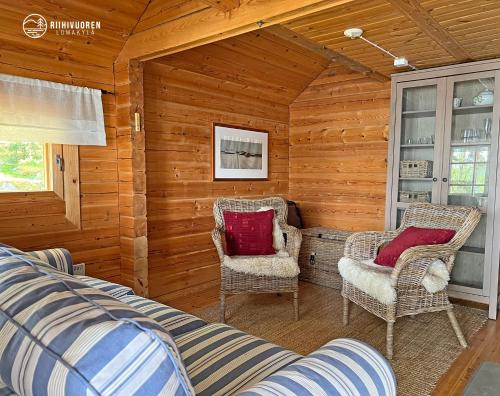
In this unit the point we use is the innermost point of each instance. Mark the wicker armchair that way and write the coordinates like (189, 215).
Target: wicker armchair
(234, 282)
(407, 276)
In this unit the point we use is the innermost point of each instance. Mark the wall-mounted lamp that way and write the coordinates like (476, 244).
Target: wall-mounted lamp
(399, 61)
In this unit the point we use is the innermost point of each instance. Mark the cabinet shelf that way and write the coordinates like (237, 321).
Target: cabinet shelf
(416, 178)
(473, 109)
(472, 249)
(419, 113)
(461, 144)
(417, 145)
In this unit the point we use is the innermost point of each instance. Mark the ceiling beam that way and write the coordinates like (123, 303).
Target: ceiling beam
(210, 25)
(424, 20)
(223, 5)
(327, 53)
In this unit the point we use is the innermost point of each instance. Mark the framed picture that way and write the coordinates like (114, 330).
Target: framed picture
(239, 153)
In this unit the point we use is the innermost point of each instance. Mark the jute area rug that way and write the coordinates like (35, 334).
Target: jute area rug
(424, 346)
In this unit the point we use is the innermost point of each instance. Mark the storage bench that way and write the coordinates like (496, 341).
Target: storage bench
(319, 255)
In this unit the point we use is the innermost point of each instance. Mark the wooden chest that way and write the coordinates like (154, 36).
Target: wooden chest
(320, 252)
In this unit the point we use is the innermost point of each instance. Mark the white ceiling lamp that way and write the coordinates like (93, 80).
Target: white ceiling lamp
(354, 33)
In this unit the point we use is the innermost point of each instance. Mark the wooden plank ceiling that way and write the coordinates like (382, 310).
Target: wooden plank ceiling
(80, 60)
(428, 32)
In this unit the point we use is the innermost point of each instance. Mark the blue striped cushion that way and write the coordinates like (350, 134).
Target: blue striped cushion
(4, 391)
(222, 360)
(57, 258)
(341, 367)
(174, 321)
(59, 336)
(113, 289)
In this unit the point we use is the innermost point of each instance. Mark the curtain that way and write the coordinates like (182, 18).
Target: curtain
(46, 112)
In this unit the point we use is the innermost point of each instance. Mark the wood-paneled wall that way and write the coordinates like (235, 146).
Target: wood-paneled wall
(248, 81)
(338, 150)
(85, 60)
(38, 221)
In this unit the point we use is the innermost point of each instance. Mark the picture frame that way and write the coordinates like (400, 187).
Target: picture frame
(239, 153)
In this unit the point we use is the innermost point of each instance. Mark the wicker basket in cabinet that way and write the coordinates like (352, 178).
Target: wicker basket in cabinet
(320, 253)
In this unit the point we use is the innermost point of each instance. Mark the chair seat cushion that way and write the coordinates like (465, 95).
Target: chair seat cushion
(276, 265)
(375, 280)
(222, 360)
(174, 321)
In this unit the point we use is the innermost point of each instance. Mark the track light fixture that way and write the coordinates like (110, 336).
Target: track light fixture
(354, 33)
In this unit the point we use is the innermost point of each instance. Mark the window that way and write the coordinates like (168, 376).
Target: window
(24, 167)
(469, 170)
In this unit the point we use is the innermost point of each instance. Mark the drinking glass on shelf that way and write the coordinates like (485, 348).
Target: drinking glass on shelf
(487, 128)
(467, 135)
(476, 137)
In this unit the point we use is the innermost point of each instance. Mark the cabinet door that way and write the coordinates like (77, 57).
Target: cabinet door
(418, 135)
(469, 172)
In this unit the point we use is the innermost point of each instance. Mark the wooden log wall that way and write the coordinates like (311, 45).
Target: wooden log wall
(338, 150)
(246, 81)
(38, 221)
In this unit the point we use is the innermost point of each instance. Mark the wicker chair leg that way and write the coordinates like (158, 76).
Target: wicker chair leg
(222, 307)
(346, 311)
(456, 328)
(296, 304)
(390, 340)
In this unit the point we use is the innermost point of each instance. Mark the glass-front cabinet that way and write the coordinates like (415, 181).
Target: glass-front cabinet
(444, 150)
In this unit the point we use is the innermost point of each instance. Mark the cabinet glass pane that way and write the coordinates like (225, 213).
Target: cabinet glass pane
(468, 174)
(470, 142)
(469, 263)
(418, 125)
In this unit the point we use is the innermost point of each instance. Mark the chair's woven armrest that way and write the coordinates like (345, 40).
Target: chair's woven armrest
(364, 245)
(413, 263)
(293, 240)
(343, 366)
(217, 238)
(58, 258)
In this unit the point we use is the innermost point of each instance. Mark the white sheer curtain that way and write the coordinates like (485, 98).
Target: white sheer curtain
(46, 112)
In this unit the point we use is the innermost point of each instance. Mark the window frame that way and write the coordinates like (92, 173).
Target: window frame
(61, 184)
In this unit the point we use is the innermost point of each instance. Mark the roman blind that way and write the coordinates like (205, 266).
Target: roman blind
(40, 111)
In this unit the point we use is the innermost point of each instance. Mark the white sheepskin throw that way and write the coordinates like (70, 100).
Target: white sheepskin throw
(278, 239)
(279, 265)
(375, 280)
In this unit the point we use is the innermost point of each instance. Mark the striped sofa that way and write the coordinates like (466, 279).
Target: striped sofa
(197, 358)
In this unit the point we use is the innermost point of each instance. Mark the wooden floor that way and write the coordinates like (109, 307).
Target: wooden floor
(484, 346)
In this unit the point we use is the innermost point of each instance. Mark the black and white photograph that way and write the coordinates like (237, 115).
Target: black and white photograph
(239, 153)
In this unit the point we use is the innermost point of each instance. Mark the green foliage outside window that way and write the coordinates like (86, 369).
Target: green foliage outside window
(469, 170)
(22, 167)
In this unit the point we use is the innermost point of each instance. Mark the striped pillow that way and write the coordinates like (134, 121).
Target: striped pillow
(113, 289)
(57, 258)
(341, 367)
(60, 336)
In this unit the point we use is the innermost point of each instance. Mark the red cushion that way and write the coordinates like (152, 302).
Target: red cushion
(249, 233)
(412, 236)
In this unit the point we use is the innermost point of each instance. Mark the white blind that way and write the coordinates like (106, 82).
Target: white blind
(46, 112)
